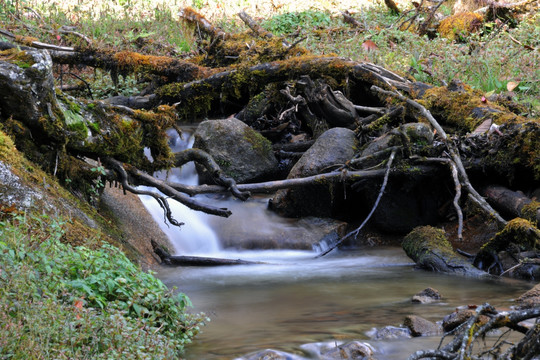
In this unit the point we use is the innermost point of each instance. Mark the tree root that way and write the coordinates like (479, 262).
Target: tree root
(456, 159)
(357, 230)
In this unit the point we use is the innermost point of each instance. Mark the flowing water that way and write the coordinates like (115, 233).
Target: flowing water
(295, 302)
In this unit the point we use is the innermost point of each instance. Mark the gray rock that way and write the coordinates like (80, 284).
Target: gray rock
(333, 148)
(426, 296)
(390, 333)
(420, 326)
(240, 151)
(27, 78)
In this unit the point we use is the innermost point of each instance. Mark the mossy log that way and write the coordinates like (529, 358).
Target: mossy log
(429, 248)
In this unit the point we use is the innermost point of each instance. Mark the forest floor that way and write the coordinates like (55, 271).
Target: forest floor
(500, 57)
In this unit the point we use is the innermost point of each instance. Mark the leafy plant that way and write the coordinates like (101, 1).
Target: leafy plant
(57, 301)
(289, 22)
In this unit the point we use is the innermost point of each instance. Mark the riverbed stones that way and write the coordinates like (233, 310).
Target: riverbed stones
(241, 152)
(332, 149)
(420, 326)
(426, 296)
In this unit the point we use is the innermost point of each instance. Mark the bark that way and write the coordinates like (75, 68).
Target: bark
(468, 335)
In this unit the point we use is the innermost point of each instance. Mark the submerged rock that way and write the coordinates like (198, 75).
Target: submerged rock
(390, 333)
(426, 296)
(332, 149)
(241, 152)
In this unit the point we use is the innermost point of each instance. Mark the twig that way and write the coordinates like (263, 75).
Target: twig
(258, 30)
(357, 230)
(37, 44)
(370, 109)
(528, 47)
(457, 185)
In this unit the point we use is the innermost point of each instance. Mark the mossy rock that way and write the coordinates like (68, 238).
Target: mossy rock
(333, 148)
(518, 231)
(460, 25)
(241, 152)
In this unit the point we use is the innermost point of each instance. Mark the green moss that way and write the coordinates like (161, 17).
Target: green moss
(519, 149)
(8, 152)
(529, 212)
(426, 237)
(455, 108)
(18, 57)
(259, 143)
(518, 231)
(460, 25)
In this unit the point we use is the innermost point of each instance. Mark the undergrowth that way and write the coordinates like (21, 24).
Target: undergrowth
(61, 302)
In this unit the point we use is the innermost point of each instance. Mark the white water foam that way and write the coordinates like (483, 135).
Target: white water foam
(195, 237)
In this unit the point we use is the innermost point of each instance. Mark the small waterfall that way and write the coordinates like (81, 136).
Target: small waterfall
(195, 237)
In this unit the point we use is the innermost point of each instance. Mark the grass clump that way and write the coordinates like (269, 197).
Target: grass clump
(64, 302)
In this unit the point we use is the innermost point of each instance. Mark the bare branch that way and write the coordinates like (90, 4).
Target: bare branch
(473, 194)
(357, 230)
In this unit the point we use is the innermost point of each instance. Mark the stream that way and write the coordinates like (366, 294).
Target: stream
(298, 303)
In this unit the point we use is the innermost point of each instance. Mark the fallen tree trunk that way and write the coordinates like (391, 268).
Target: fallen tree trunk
(178, 260)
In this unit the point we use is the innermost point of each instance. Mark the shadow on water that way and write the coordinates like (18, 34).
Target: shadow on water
(296, 299)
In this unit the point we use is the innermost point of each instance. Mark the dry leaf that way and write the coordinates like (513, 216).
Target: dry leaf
(511, 85)
(483, 127)
(369, 45)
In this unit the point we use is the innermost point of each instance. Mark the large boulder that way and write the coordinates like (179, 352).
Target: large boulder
(334, 147)
(241, 152)
(26, 79)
